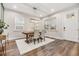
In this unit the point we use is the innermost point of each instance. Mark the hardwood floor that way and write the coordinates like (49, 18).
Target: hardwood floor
(56, 48)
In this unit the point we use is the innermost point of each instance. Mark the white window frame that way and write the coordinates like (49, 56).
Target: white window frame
(19, 22)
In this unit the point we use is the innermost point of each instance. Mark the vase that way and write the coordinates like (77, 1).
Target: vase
(1, 30)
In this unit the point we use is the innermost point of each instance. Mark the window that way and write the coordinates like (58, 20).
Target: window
(19, 23)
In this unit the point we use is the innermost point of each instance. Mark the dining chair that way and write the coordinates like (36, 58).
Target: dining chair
(36, 36)
(42, 35)
(31, 38)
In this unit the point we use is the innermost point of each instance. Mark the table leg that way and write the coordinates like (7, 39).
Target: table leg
(27, 41)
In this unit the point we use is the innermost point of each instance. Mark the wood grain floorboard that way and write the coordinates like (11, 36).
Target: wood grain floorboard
(55, 48)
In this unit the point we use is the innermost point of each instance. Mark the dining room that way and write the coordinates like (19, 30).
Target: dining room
(39, 29)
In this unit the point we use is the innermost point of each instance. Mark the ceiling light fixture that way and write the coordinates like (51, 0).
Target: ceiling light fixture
(52, 10)
(14, 6)
(40, 15)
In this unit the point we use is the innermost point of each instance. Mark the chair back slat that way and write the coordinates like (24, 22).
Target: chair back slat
(36, 34)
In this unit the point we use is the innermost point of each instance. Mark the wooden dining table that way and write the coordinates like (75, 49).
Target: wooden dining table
(28, 34)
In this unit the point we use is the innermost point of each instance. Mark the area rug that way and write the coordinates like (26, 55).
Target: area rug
(23, 47)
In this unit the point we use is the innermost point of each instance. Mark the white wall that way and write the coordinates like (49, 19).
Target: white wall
(9, 18)
(71, 25)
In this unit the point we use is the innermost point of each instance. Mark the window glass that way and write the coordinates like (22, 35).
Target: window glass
(19, 23)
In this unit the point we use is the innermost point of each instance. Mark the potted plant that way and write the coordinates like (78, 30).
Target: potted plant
(3, 26)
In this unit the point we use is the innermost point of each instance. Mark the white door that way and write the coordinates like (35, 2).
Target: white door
(70, 26)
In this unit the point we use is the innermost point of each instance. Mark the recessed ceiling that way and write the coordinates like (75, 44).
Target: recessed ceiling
(37, 9)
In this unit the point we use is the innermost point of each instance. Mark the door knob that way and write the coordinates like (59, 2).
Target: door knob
(64, 28)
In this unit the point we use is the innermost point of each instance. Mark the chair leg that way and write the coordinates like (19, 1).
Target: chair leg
(44, 38)
(41, 39)
(38, 40)
(34, 41)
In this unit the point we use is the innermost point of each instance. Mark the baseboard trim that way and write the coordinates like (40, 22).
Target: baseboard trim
(53, 38)
(61, 39)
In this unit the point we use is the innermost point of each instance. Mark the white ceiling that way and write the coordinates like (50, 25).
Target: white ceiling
(42, 10)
